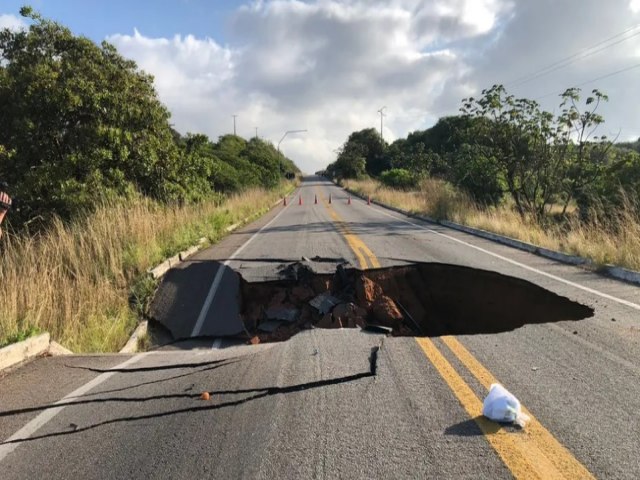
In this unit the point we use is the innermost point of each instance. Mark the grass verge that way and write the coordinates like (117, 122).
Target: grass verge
(615, 242)
(85, 282)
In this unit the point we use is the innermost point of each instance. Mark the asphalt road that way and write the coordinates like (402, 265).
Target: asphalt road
(312, 406)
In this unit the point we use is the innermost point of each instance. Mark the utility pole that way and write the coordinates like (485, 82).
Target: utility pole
(382, 115)
(234, 124)
(287, 133)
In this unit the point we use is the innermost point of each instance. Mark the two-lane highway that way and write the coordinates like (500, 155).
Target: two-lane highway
(313, 406)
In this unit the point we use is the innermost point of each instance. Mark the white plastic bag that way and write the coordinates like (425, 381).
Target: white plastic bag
(501, 406)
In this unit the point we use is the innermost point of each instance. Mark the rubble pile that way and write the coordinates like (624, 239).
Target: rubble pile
(420, 299)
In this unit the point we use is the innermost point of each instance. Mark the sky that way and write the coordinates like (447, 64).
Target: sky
(328, 66)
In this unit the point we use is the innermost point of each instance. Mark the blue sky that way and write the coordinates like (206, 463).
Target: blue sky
(328, 66)
(154, 18)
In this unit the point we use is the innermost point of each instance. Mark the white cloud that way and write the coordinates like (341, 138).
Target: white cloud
(324, 66)
(329, 65)
(11, 22)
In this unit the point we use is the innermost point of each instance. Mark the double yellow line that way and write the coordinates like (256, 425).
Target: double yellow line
(366, 258)
(533, 453)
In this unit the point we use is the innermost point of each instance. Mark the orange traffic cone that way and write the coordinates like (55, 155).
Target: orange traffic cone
(316, 200)
(300, 200)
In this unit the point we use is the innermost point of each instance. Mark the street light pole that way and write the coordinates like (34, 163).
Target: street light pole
(287, 133)
(382, 115)
(234, 124)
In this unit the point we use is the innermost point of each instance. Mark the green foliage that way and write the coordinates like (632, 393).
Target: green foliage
(399, 178)
(476, 170)
(363, 153)
(20, 336)
(540, 158)
(80, 124)
(507, 145)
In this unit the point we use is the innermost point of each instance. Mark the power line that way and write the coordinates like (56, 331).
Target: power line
(617, 72)
(565, 62)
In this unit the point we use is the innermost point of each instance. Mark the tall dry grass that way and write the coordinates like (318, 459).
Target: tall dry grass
(614, 241)
(76, 281)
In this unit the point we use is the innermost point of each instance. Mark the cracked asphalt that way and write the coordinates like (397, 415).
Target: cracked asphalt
(311, 407)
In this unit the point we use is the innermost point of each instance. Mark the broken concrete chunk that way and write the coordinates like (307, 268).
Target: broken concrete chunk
(286, 314)
(422, 299)
(269, 326)
(324, 302)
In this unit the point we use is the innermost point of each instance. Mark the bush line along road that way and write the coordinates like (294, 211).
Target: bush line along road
(322, 404)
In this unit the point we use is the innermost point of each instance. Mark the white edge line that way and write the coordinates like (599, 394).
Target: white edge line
(218, 278)
(513, 262)
(45, 417)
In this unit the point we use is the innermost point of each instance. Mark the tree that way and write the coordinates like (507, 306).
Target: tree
(368, 144)
(519, 135)
(584, 154)
(81, 123)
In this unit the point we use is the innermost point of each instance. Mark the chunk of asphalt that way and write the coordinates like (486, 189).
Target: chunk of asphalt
(296, 272)
(269, 326)
(370, 327)
(282, 313)
(324, 302)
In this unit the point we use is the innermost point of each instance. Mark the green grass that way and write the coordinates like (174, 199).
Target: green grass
(20, 336)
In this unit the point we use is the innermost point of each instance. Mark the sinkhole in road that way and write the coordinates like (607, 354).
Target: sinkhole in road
(423, 299)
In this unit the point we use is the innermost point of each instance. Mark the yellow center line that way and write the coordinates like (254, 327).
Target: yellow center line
(533, 453)
(361, 251)
(567, 465)
(503, 443)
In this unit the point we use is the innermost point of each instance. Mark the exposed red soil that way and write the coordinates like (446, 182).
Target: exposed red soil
(427, 299)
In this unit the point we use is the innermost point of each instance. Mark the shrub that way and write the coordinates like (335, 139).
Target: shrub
(399, 178)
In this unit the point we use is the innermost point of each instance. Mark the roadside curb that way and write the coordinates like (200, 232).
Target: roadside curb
(132, 344)
(618, 273)
(19, 352)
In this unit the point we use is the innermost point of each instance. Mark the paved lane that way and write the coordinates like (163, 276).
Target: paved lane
(311, 406)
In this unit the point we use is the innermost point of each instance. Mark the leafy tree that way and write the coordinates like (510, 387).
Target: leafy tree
(368, 144)
(411, 156)
(80, 123)
(520, 135)
(475, 169)
(584, 154)
(351, 163)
